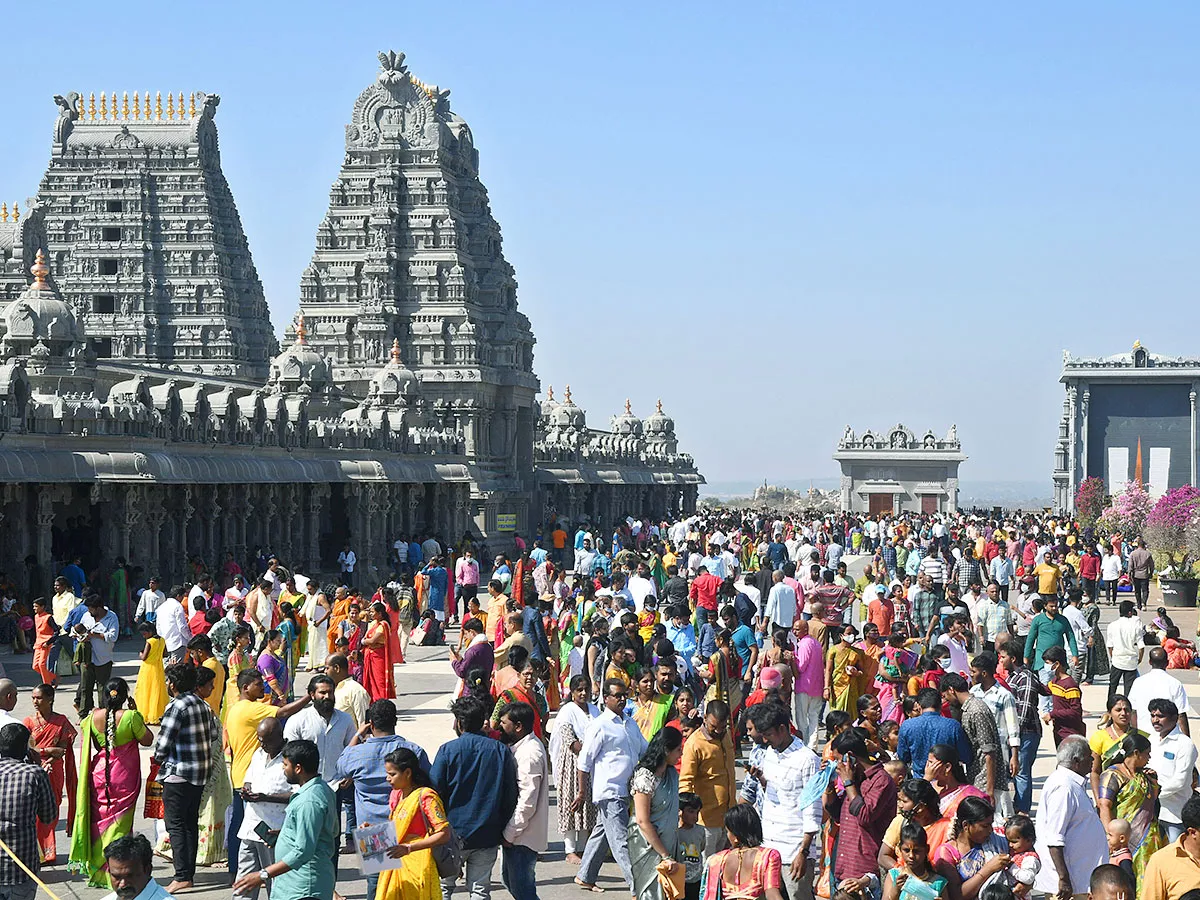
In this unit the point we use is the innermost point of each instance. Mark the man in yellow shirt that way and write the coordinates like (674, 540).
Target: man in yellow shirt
(707, 769)
(1048, 575)
(496, 611)
(241, 740)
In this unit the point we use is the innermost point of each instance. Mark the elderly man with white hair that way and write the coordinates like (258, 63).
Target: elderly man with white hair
(1070, 837)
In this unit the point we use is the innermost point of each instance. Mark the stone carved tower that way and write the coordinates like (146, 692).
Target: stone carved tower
(143, 238)
(409, 251)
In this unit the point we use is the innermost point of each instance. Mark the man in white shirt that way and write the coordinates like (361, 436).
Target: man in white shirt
(585, 558)
(787, 767)
(1125, 648)
(526, 832)
(8, 702)
(611, 748)
(266, 791)
(1070, 837)
(753, 594)
(149, 601)
(400, 553)
(326, 726)
(346, 561)
(172, 624)
(641, 586)
(1158, 682)
(780, 610)
(1073, 613)
(202, 588)
(98, 629)
(1172, 757)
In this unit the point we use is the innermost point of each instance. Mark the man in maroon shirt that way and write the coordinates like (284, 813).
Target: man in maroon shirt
(863, 812)
(703, 592)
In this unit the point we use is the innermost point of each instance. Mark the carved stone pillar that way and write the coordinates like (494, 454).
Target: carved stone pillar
(186, 512)
(155, 517)
(130, 516)
(414, 492)
(313, 515)
(1192, 402)
(460, 511)
(216, 514)
(45, 519)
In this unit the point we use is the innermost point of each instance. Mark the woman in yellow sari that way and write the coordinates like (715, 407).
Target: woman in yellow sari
(844, 677)
(241, 657)
(420, 826)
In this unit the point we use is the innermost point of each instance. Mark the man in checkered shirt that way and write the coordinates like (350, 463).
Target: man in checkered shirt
(25, 798)
(184, 753)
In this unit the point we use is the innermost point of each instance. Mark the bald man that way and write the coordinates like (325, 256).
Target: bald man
(8, 701)
(809, 681)
(265, 792)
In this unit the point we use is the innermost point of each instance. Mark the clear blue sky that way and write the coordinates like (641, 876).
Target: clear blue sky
(779, 218)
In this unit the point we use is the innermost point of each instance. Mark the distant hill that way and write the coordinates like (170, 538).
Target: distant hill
(1009, 494)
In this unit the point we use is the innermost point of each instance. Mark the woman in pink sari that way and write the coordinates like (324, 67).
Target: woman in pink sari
(53, 736)
(110, 781)
(896, 664)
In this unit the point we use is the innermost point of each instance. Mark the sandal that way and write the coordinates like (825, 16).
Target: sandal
(589, 887)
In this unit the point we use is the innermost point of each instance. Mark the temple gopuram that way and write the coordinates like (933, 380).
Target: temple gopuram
(146, 404)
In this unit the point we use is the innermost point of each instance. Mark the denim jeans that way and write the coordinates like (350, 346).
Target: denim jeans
(477, 872)
(372, 886)
(1026, 754)
(234, 813)
(516, 871)
(612, 822)
(1045, 675)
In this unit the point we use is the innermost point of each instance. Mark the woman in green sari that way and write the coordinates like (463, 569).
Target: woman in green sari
(1128, 792)
(110, 778)
(655, 793)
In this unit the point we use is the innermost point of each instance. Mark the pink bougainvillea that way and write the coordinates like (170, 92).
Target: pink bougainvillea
(1089, 501)
(1170, 528)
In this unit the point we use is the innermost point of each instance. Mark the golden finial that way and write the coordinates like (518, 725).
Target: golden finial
(3, 212)
(658, 407)
(1137, 344)
(114, 106)
(550, 392)
(300, 333)
(125, 105)
(181, 106)
(137, 106)
(628, 408)
(396, 350)
(170, 105)
(103, 106)
(16, 212)
(191, 106)
(158, 106)
(146, 107)
(40, 270)
(568, 393)
(92, 106)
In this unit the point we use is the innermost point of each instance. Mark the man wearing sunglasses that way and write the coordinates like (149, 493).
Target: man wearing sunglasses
(610, 751)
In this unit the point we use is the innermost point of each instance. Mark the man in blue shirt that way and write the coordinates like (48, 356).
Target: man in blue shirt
(683, 636)
(73, 572)
(920, 733)
(742, 640)
(362, 762)
(476, 777)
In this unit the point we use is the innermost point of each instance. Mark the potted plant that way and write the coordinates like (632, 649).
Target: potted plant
(1170, 532)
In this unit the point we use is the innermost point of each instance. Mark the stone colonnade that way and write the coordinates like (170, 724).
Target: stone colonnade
(606, 503)
(161, 526)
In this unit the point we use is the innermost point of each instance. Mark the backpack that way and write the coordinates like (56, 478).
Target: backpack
(448, 857)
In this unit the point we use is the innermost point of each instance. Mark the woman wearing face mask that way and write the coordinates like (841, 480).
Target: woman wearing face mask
(917, 801)
(944, 770)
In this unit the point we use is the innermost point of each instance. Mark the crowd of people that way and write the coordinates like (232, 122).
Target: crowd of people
(886, 724)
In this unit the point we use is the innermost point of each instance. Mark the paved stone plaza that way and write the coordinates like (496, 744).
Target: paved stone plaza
(424, 685)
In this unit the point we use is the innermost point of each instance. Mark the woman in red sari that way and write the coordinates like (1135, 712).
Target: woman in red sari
(53, 736)
(377, 657)
(393, 617)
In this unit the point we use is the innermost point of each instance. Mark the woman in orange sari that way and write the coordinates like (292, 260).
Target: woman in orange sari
(377, 657)
(53, 736)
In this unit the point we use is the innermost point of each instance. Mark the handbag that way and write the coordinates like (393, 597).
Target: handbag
(448, 857)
